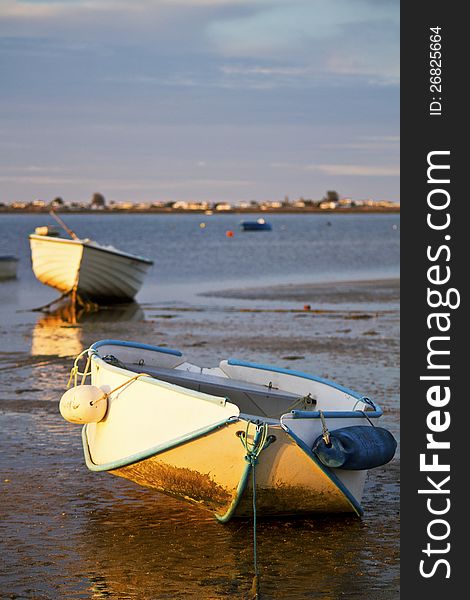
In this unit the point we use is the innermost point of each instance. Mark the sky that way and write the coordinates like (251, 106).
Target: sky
(217, 100)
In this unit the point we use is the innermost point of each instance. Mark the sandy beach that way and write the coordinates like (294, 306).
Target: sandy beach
(70, 533)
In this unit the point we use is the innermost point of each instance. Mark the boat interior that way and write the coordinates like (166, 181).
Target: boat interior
(254, 399)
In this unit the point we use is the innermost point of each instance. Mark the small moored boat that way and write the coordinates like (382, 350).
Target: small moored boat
(258, 225)
(87, 269)
(8, 267)
(198, 433)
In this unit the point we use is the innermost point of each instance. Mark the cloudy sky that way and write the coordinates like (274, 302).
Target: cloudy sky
(199, 99)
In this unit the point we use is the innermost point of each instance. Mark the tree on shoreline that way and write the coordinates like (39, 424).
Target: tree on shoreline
(98, 201)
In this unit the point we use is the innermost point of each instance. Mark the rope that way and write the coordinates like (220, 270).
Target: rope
(365, 400)
(326, 433)
(261, 440)
(75, 372)
(304, 401)
(131, 380)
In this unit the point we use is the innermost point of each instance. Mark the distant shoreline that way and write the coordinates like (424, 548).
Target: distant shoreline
(171, 211)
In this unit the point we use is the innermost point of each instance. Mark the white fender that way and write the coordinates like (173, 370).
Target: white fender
(83, 404)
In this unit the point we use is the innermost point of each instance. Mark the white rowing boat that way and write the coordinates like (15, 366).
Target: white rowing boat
(201, 434)
(94, 272)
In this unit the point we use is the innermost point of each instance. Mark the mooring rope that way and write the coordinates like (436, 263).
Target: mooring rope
(326, 433)
(261, 440)
(75, 372)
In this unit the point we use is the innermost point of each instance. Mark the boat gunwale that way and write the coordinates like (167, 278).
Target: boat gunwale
(336, 414)
(235, 362)
(86, 244)
(295, 414)
(110, 342)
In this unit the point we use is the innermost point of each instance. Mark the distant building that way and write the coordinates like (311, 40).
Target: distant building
(326, 205)
(180, 205)
(223, 206)
(38, 203)
(198, 205)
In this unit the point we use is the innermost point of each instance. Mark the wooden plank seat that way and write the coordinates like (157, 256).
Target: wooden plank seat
(251, 398)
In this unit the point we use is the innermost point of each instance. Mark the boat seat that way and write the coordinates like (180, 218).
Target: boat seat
(249, 397)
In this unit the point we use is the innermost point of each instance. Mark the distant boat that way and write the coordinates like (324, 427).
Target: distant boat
(8, 267)
(84, 268)
(197, 433)
(258, 225)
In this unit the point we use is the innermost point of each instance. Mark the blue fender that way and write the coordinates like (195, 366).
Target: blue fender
(356, 448)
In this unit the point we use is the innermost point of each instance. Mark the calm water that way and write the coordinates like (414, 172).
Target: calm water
(299, 248)
(67, 533)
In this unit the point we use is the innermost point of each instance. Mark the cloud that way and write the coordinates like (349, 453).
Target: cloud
(41, 180)
(58, 176)
(367, 143)
(280, 24)
(143, 92)
(266, 70)
(343, 170)
(280, 42)
(337, 37)
(101, 21)
(355, 170)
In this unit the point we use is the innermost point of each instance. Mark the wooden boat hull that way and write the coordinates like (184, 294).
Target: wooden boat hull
(94, 272)
(212, 472)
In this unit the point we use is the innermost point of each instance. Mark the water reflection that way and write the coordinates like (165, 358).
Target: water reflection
(152, 546)
(60, 332)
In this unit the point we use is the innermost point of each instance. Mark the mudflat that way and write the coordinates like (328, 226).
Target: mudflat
(68, 533)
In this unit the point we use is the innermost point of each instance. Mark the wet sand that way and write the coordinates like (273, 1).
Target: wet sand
(68, 533)
(340, 292)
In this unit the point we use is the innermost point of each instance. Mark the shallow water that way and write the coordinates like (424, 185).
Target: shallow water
(68, 533)
(300, 248)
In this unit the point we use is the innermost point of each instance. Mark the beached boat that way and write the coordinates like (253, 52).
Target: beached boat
(8, 267)
(198, 433)
(85, 268)
(258, 225)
